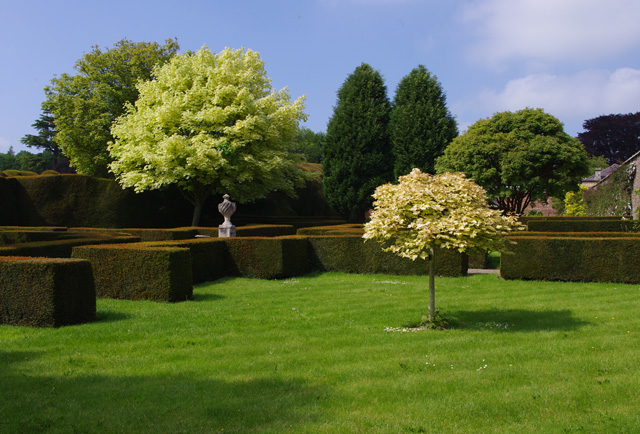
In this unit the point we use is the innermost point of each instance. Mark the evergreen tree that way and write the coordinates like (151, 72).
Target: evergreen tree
(357, 148)
(421, 125)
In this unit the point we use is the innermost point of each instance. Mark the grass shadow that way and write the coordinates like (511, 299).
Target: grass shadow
(172, 403)
(515, 320)
(207, 297)
(111, 316)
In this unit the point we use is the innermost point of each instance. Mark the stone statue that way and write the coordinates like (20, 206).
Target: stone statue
(226, 208)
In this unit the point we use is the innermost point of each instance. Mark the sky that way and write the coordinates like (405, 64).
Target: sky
(576, 59)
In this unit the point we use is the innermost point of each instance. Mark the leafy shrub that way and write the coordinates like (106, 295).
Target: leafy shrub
(44, 292)
(13, 172)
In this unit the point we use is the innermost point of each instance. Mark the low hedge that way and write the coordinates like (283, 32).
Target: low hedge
(578, 234)
(209, 257)
(45, 292)
(583, 259)
(586, 225)
(138, 272)
(351, 254)
(342, 229)
(62, 247)
(267, 258)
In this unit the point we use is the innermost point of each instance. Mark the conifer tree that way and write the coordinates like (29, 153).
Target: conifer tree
(357, 149)
(421, 125)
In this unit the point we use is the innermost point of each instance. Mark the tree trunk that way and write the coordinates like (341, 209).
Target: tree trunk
(197, 211)
(432, 285)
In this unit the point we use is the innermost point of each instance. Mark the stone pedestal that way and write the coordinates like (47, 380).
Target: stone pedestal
(226, 208)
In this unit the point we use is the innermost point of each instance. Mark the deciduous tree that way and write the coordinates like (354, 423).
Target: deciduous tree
(421, 124)
(518, 158)
(86, 104)
(615, 137)
(357, 148)
(423, 213)
(209, 123)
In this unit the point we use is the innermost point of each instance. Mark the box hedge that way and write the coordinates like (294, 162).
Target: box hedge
(138, 272)
(351, 254)
(583, 259)
(581, 225)
(64, 244)
(45, 292)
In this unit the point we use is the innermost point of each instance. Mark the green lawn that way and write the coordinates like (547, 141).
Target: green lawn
(323, 354)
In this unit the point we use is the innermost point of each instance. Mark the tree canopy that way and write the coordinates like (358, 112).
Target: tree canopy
(615, 137)
(85, 105)
(421, 125)
(423, 212)
(518, 157)
(357, 153)
(209, 123)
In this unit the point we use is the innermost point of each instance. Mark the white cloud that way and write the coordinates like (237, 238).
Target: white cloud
(571, 98)
(551, 30)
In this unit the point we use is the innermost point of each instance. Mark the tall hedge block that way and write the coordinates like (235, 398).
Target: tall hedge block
(209, 257)
(267, 258)
(45, 292)
(351, 254)
(573, 259)
(137, 272)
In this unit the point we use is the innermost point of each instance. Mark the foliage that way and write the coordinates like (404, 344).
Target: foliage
(597, 162)
(423, 212)
(613, 195)
(26, 161)
(308, 145)
(421, 125)
(46, 133)
(574, 204)
(86, 104)
(357, 153)
(209, 123)
(518, 158)
(616, 137)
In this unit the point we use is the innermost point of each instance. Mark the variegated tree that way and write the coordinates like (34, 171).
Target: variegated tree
(209, 123)
(422, 213)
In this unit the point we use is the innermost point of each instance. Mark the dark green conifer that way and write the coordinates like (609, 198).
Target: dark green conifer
(357, 149)
(421, 125)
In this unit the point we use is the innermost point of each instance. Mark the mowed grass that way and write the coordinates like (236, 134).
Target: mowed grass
(325, 354)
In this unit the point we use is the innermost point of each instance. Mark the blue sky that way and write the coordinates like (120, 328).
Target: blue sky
(576, 59)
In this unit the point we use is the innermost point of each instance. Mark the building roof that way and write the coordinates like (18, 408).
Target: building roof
(601, 174)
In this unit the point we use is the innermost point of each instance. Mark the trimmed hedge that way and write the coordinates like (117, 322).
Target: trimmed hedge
(267, 258)
(351, 254)
(342, 229)
(578, 234)
(586, 225)
(585, 259)
(44, 292)
(209, 257)
(62, 247)
(137, 272)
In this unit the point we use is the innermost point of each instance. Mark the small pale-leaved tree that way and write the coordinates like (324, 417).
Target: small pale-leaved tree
(423, 213)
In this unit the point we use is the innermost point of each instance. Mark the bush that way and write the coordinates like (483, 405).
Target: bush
(137, 272)
(350, 254)
(44, 292)
(13, 172)
(267, 258)
(62, 244)
(581, 225)
(209, 257)
(603, 259)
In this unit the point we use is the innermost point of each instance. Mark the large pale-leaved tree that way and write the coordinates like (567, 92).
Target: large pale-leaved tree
(423, 213)
(209, 123)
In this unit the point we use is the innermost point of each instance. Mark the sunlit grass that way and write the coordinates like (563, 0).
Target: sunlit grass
(312, 355)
